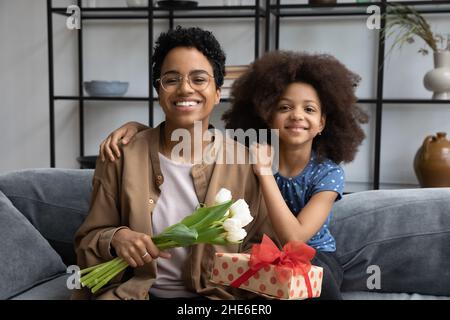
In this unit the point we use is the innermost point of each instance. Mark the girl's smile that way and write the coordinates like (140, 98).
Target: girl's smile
(296, 128)
(298, 115)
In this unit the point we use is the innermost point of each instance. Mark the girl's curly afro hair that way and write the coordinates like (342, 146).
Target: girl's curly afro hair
(204, 41)
(256, 93)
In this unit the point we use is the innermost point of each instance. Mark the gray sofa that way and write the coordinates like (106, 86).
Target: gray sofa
(392, 244)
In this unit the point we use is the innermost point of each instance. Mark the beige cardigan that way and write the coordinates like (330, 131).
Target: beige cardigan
(125, 193)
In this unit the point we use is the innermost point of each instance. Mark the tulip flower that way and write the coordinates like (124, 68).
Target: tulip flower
(232, 225)
(240, 211)
(237, 235)
(222, 196)
(221, 224)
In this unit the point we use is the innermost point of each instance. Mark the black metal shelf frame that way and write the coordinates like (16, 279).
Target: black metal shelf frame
(148, 13)
(108, 98)
(279, 11)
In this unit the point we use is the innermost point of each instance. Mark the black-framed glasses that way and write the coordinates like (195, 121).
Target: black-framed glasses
(198, 80)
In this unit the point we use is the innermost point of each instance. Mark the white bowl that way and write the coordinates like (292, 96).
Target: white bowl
(106, 88)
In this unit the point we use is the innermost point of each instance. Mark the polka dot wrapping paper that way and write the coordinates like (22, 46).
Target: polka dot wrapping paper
(230, 266)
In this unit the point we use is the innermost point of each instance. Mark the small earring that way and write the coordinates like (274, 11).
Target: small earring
(320, 133)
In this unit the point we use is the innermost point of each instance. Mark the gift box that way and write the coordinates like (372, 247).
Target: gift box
(279, 278)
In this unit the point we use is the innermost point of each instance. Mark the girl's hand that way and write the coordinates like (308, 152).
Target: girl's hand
(110, 146)
(136, 248)
(261, 156)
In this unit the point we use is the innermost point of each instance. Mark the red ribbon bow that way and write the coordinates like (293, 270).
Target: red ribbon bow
(294, 256)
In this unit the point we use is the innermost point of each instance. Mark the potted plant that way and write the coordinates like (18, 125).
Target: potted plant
(406, 24)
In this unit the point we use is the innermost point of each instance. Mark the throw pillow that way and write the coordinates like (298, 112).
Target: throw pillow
(55, 201)
(27, 259)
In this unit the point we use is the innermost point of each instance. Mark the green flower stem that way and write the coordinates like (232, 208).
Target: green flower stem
(86, 270)
(106, 272)
(110, 274)
(221, 241)
(93, 279)
(96, 274)
(162, 242)
(218, 223)
(168, 245)
(119, 268)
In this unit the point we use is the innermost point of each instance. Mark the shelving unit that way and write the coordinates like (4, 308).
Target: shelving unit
(150, 14)
(280, 11)
(273, 19)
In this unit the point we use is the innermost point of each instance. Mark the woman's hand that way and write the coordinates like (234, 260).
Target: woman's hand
(110, 146)
(136, 248)
(262, 159)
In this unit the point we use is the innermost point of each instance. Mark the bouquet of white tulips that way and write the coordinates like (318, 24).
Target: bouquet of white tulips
(221, 224)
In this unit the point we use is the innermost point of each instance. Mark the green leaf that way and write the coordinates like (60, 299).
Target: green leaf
(195, 217)
(207, 235)
(168, 245)
(212, 214)
(409, 23)
(221, 241)
(202, 212)
(179, 233)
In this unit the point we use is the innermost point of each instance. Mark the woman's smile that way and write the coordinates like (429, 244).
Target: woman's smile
(186, 105)
(182, 101)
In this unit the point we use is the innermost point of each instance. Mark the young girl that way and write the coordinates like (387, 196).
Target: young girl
(310, 99)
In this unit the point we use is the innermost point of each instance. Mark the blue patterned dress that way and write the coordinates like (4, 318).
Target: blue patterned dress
(316, 177)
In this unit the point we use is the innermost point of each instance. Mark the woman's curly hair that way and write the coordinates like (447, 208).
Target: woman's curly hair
(256, 93)
(204, 41)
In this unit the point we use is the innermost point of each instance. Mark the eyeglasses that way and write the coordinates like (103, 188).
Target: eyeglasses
(198, 81)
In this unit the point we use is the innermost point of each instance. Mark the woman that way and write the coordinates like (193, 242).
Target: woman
(151, 186)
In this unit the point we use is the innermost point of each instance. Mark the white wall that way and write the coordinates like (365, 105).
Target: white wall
(23, 85)
(117, 50)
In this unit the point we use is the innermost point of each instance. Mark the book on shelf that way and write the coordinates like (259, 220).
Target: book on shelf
(234, 72)
(231, 74)
(226, 87)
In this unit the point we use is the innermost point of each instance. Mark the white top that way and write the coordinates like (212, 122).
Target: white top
(177, 200)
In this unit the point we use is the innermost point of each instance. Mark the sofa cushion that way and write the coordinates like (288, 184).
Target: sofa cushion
(367, 295)
(55, 201)
(406, 233)
(27, 259)
(55, 289)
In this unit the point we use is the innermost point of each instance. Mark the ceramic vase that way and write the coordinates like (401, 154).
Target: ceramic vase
(438, 79)
(432, 162)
